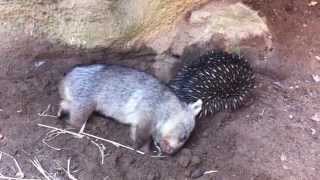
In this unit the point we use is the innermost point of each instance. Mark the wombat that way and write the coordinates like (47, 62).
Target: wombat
(130, 97)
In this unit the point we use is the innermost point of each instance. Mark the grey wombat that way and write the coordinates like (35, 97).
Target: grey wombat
(131, 97)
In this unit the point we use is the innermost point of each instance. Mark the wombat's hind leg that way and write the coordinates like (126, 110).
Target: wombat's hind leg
(79, 114)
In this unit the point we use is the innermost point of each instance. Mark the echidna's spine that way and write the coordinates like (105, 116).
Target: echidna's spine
(222, 80)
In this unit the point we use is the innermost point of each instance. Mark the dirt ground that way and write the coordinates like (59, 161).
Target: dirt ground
(276, 136)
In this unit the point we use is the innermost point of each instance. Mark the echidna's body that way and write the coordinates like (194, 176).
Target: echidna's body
(221, 80)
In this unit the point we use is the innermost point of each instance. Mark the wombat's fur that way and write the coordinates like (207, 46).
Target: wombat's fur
(131, 97)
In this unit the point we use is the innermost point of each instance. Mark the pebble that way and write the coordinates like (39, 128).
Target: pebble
(316, 117)
(205, 134)
(316, 77)
(312, 3)
(197, 173)
(1, 136)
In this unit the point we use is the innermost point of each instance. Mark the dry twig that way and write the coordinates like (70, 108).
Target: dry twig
(44, 113)
(81, 134)
(36, 163)
(210, 172)
(101, 148)
(19, 174)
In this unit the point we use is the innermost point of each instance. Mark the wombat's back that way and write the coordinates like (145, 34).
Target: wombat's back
(114, 90)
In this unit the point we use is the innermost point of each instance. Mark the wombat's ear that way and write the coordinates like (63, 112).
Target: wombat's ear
(196, 106)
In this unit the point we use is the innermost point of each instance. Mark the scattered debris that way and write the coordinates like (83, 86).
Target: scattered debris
(101, 148)
(316, 117)
(210, 172)
(262, 112)
(82, 134)
(44, 113)
(312, 3)
(68, 171)
(200, 172)
(62, 131)
(36, 163)
(39, 63)
(19, 174)
(285, 167)
(283, 157)
(316, 77)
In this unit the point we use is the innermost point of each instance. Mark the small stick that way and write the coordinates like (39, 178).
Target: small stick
(20, 174)
(113, 142)
(83, 127)
(210, 172)
(80, 135)
(62, 130)
(55, 148)
(44, 113)
(68, 171)
(36, 163)
(101, 148)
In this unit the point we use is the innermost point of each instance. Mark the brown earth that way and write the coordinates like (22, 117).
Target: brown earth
(274, 137)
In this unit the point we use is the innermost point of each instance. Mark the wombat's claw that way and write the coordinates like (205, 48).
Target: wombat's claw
(159, 152)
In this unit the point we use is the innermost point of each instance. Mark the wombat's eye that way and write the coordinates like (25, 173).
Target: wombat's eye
(183, 138)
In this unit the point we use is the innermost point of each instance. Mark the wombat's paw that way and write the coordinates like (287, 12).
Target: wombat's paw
(62, 114)
(143, 146)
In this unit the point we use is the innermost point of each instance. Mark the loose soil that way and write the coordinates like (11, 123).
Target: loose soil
(272, 137)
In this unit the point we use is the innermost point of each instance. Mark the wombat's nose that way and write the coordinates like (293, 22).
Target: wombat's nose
(165, 147)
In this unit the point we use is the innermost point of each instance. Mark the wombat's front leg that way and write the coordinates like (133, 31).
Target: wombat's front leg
(141, 135)
(79, 113)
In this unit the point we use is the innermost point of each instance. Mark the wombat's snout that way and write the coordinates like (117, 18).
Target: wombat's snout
(166, 147)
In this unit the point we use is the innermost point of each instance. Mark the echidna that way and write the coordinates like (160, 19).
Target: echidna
(222, 80)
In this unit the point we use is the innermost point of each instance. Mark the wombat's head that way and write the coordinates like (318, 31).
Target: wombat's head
(175, 131)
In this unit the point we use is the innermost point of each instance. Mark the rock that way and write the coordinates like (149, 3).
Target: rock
(316, 117)
(316, 77)
(100, 23)
(205, 134)
(197, 173)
